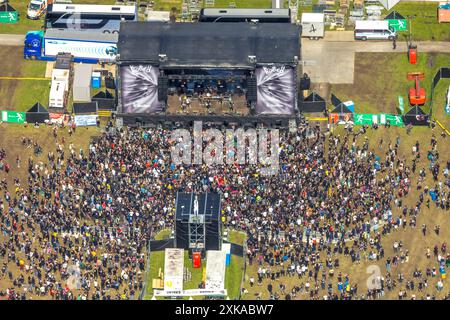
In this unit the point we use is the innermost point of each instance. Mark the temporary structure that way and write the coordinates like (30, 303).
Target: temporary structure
(82, 83)
(388, 4)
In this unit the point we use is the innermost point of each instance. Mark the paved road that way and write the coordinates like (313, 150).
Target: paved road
(332, 59)
(11, 39)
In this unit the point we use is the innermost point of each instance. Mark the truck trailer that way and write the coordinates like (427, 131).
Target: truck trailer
(313, 25)
(85, 46)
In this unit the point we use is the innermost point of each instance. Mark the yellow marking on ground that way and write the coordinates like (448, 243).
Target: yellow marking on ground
(104, 113)
(443, 128)
(316, 119)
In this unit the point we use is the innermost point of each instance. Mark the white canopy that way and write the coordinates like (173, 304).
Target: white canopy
(388, 4)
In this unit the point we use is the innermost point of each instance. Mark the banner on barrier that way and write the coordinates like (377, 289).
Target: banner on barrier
(363, 119)
(59, 118)
(393, 120)
(86, 120)
(370, 119)
(340, 118)
(9, 17)
(13, 117)
(398, 24)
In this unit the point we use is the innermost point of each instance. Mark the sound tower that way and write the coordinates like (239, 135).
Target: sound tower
(110, 83)
(252, 94)
(197, 221)
(305, 82)
(163, 84)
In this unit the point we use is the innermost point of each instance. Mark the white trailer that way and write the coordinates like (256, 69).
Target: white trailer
(313, 25)
(61, 75)
(58, 95)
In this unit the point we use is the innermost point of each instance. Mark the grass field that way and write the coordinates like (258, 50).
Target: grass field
(380, 78)
(21, 94)
(411, 238)
(424, 21)
(10, 138)
(233, 276)
(439, 101)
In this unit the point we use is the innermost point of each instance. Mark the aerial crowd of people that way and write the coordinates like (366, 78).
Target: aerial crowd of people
(78, 225)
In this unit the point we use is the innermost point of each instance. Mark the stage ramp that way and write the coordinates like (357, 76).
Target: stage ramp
(215, 270)
(173, 269)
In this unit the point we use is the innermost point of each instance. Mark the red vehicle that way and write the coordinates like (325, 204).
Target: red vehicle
(417, 95)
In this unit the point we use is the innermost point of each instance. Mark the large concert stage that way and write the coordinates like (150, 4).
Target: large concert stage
(205, 70)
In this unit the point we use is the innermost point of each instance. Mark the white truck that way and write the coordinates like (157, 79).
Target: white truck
(36, 8)
(313, 25)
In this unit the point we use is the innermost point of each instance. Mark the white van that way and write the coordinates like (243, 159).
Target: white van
(374, 30)
(36, 8)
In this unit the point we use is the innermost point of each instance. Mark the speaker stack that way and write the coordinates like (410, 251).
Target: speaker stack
(163, 84)
(305, 82)
(252, 94)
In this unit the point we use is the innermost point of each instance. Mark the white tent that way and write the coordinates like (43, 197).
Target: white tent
(388, 4)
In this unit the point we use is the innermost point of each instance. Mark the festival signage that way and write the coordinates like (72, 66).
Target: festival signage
(86, 120)
(8, 17)
(13, 117)
(398, 24)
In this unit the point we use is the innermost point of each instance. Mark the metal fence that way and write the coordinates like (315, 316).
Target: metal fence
(147, 272)
(244, 256)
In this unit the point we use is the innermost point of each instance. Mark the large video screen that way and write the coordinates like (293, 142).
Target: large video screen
(276, 90)
(139, 85)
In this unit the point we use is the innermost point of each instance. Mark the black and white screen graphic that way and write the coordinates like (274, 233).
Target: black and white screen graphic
(276, 90)
(140, 89)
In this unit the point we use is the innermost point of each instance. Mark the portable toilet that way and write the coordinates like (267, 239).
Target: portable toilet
(196, 259)
(96, 80)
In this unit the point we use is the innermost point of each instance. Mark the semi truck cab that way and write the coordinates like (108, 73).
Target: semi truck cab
(36, 8)
(33, 44)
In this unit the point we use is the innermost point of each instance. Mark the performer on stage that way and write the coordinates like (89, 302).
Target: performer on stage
(230, 103)
(208, 102)
(185, 102)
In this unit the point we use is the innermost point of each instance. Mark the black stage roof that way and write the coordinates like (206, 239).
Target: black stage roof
(208, 205)
(208, 44)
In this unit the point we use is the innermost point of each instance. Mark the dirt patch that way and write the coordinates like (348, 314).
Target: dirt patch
(10, 66)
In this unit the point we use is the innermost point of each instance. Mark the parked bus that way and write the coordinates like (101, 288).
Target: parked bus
(103, 18)
(374, 30)
(245, 15)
